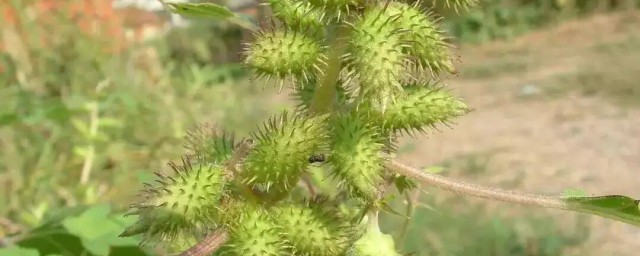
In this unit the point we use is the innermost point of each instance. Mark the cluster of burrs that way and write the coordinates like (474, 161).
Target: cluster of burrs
(362, 73)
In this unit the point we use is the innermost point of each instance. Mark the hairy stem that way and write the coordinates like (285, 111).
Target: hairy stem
(208, 245)
(462, 187)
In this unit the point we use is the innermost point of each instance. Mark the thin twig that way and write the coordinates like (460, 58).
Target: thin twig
(89, 158)
(307, 182)
(94, 110)
(462, 187)
(240, 152)
(412, 199)
(208, 245)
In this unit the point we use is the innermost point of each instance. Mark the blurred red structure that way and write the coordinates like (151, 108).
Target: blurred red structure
(93, 17)
(119, 27)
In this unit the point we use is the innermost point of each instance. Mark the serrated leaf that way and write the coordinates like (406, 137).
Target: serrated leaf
(403, 183)
(621, 208)
(18, 251)
(209, 10)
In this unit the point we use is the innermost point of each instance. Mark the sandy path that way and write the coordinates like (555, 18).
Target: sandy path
(547, 145)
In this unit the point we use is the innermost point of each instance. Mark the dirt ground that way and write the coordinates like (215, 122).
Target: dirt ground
(543, 144)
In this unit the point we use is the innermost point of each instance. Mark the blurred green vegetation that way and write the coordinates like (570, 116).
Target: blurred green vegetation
(82, 127)
(504, 19)
(81, 124)
(455, 226)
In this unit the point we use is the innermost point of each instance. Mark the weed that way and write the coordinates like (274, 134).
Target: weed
(255, 192)
(362, 73)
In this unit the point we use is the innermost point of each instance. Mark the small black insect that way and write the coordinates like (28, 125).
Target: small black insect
(319, 158)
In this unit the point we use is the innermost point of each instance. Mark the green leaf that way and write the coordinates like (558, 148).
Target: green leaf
(81, 151)
(574, 193)
(615, 207)
(97, 231)
(18, 251)
(57, 111)
(209, 10)
(82, 127)
(8, 119)
(387, 208)
(403, 183)
(53, 237)
(110, 122)
(201, 9)
(53, 241)
(96, 247)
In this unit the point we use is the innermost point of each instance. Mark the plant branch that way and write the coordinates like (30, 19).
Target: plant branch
(412, 199)
(94, 110)
(462, 187)
(237, 159)
(309, 185)
(208, 245)
(323, 97)
(87, 165)
(242, 150)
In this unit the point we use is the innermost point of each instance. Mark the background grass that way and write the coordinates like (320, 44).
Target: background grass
(445, 225)
(70, 106)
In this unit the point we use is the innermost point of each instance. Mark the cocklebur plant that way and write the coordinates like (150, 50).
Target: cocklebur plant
(362, 73)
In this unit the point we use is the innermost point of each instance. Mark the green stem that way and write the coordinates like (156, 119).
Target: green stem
(325, 93)
(240, 152)
(372, 221)
(410, 210)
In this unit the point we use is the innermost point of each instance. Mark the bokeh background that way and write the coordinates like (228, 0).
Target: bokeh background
(95, 95)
